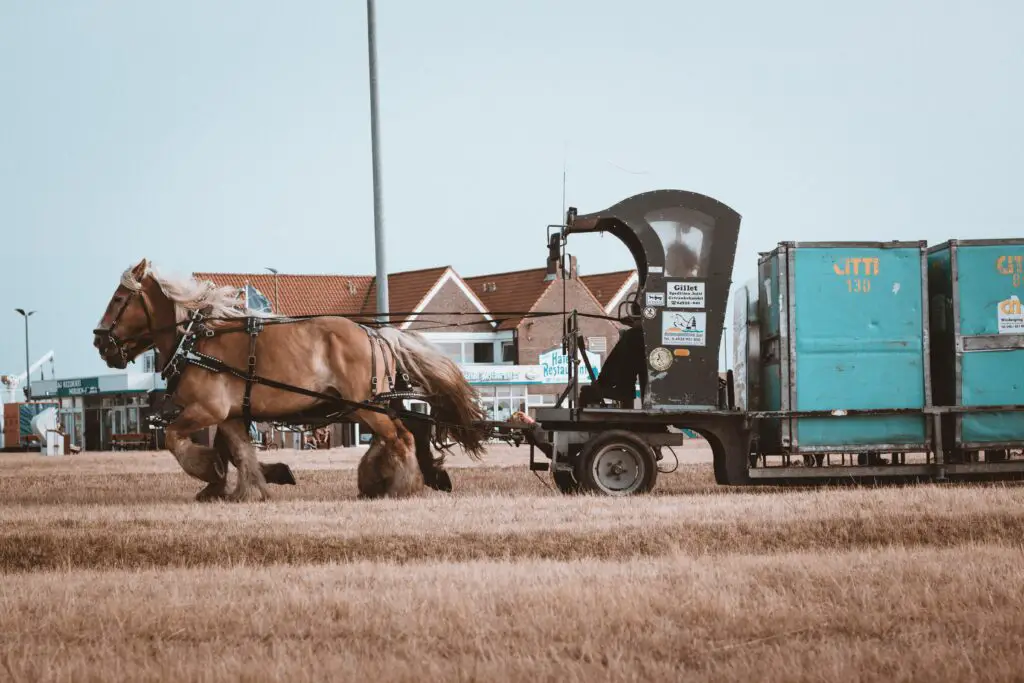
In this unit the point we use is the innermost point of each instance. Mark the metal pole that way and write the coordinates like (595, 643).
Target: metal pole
(378, 209)
(277, 308)
(28, 375)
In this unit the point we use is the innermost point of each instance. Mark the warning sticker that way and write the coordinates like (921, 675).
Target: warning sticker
(1011, 316)
(683, 329)
(685, 294)
(655, 299)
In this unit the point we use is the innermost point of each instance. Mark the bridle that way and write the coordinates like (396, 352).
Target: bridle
(134, 288)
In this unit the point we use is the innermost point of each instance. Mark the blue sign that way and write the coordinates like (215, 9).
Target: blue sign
(555, 366)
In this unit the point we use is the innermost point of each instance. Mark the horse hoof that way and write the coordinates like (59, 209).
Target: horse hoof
(442, 481)
(211, 493)
(278, 473)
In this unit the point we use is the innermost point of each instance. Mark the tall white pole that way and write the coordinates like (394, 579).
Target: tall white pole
(378, 208)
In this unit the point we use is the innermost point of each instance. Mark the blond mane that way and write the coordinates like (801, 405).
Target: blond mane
(189, 294)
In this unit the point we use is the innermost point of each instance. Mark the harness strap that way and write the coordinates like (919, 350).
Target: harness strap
(373, 360)
(216, 365)
(186, 354)
(253, 326)
(384, 348)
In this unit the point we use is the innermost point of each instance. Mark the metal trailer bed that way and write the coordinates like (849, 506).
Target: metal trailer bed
(600, 440)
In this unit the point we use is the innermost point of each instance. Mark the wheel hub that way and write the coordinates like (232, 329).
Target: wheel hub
(618, 469)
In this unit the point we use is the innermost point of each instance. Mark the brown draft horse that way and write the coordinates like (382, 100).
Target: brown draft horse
(331, 356)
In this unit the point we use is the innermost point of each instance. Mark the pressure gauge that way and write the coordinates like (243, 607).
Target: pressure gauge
(661, 359)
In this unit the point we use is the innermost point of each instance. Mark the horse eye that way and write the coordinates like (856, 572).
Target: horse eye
(118, 299)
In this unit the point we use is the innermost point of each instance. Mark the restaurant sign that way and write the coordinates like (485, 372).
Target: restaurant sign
(556, 366)
(82, 386)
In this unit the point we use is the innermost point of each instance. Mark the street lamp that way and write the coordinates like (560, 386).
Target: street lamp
(28, 375)
(277, 308)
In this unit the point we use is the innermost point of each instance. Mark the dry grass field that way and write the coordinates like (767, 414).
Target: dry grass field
(112, 572)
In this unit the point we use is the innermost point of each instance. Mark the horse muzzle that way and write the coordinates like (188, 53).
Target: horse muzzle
(112, 353)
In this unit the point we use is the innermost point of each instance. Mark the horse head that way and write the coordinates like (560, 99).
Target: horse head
(126, 328)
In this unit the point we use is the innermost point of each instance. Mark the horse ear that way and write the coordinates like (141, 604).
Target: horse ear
(140, 269)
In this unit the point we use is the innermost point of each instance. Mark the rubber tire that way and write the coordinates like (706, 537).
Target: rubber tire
(629, 440)
(566, 482)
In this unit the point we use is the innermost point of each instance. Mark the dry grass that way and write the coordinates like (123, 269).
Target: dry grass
(113, 573)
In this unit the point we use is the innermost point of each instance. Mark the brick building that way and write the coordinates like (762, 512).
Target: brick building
(611, 289)
(537, 340)
(515, 362)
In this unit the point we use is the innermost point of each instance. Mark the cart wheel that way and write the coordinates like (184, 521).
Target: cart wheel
(272, 446)
(566, 482)
(617, 463)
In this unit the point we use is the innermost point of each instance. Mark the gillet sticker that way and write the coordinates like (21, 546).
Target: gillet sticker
(685, 294)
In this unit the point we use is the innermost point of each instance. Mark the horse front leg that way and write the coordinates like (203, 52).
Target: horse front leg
(203, 463)
(250, 471)
(218, 490)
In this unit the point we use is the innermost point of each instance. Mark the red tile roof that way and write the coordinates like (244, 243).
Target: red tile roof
(342, 294)
(514, 292)
(511, 292)
(302, 294)
(605, 286)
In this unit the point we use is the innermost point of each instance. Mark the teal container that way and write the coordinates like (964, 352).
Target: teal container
(844, 326)
(977, 330)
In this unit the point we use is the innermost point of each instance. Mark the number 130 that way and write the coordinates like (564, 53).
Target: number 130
(858, 285)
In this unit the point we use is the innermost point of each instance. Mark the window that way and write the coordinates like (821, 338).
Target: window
(483, 352)
(132, 423)
(508, 352)
(256, 301)
(682, 232)
(451, 349)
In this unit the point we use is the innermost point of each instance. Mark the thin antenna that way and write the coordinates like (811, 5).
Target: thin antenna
(565, 155)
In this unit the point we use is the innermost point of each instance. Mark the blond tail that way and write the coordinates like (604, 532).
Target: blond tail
(455, 402)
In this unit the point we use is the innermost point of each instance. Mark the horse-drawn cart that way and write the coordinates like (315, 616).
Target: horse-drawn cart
(880, 329)
(892, 361)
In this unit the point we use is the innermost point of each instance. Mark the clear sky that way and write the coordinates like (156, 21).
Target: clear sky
(233, 135)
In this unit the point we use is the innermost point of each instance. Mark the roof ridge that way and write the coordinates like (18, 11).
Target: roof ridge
(204, 273)
(506, 272)
(630, 271)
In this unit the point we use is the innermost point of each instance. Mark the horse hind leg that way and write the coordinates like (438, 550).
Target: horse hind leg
(408, 478)
(389, 467)
(432, 469)
(371, 476)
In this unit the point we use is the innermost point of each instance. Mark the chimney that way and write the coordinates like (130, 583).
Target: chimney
(573, 272)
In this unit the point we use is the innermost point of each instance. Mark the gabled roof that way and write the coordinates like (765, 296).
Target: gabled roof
(302, 294)
(517, 291)
(449, 275)
(406, 291)
(337, 294)
(410, 292)
(608, 288)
